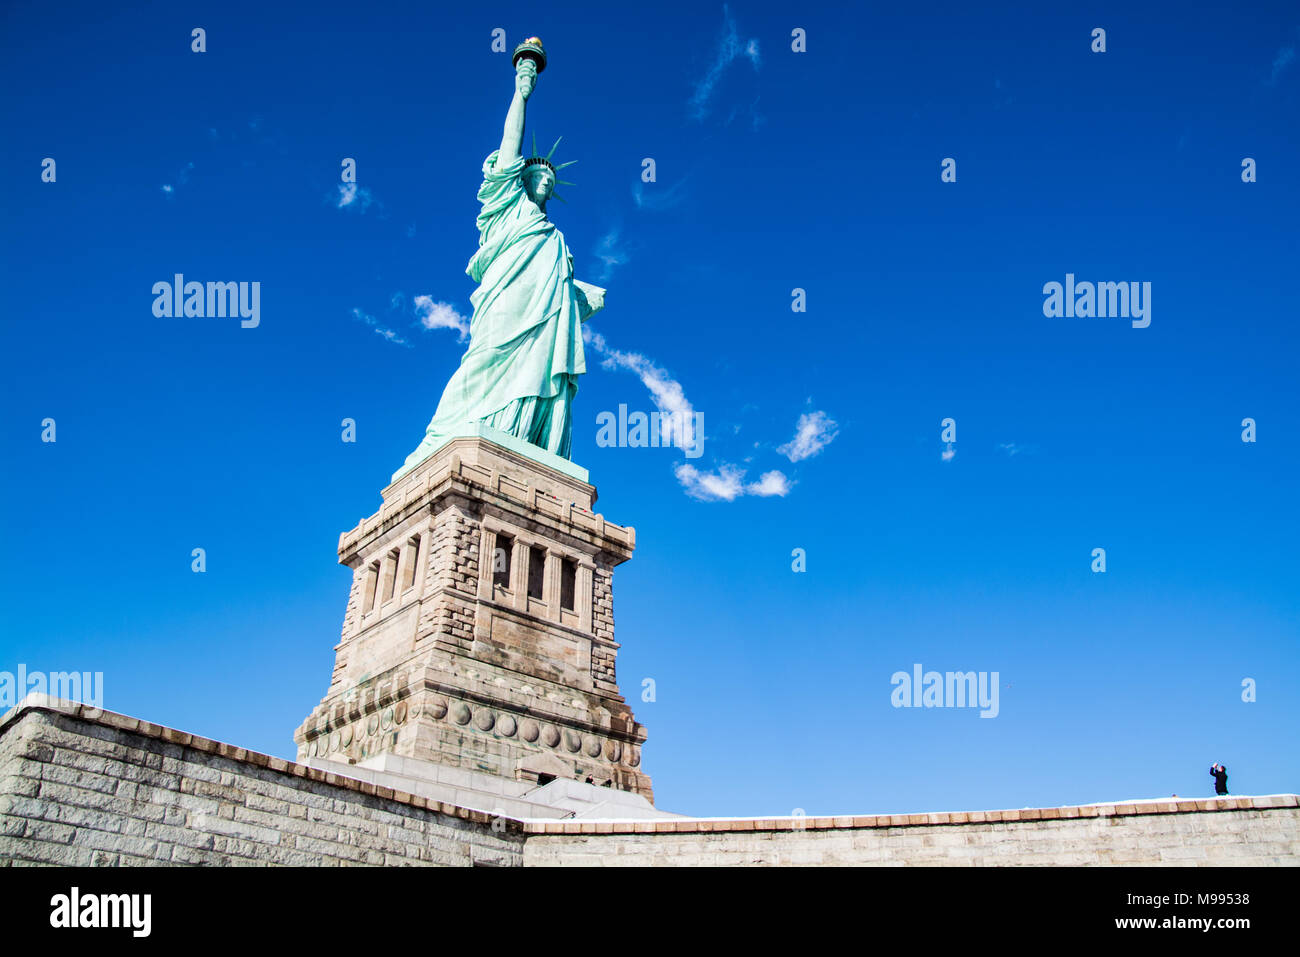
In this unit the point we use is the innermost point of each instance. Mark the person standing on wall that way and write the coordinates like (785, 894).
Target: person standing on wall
(1220, 774)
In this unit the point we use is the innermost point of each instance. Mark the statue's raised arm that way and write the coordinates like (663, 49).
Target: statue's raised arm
(512, 137)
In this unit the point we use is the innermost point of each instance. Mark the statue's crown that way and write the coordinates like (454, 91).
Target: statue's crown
(537, 159)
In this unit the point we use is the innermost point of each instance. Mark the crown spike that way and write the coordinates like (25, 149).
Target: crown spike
(560, 198)
(538, 160)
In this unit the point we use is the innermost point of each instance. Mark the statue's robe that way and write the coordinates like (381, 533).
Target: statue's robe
(521, 370)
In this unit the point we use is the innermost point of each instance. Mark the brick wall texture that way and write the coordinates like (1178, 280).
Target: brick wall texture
(79, 787)
(116, 791)
(1219, 832)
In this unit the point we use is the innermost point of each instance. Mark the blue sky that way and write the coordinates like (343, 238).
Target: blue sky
(776, 170)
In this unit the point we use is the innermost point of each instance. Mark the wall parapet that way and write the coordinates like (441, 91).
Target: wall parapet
(878, 821)
(83, 786)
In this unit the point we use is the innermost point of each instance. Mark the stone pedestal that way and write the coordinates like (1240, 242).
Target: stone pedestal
(479, 631)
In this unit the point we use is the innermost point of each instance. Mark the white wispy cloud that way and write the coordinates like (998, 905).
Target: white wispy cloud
(1010, 448)
(813, 432)
(353, 197)
(1281, 63)
(665, 391)
(730, 48)
(724, 485)
(727, 483)
(948, 453)
(182, 178)
(610, 254)
(756, 119)
(654, 197)
(439, 315)
(380, 329)
(770, 483)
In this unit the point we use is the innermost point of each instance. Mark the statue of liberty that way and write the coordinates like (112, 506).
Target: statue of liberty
(520, 373)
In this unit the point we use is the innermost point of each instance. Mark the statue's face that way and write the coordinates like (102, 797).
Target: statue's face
(539, 182)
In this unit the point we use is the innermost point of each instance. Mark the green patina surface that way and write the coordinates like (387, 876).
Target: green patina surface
(518, 378)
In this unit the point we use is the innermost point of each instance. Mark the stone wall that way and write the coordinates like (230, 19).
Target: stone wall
(84, 787)
(111, 790)
(442, 662)
(1216, 832)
